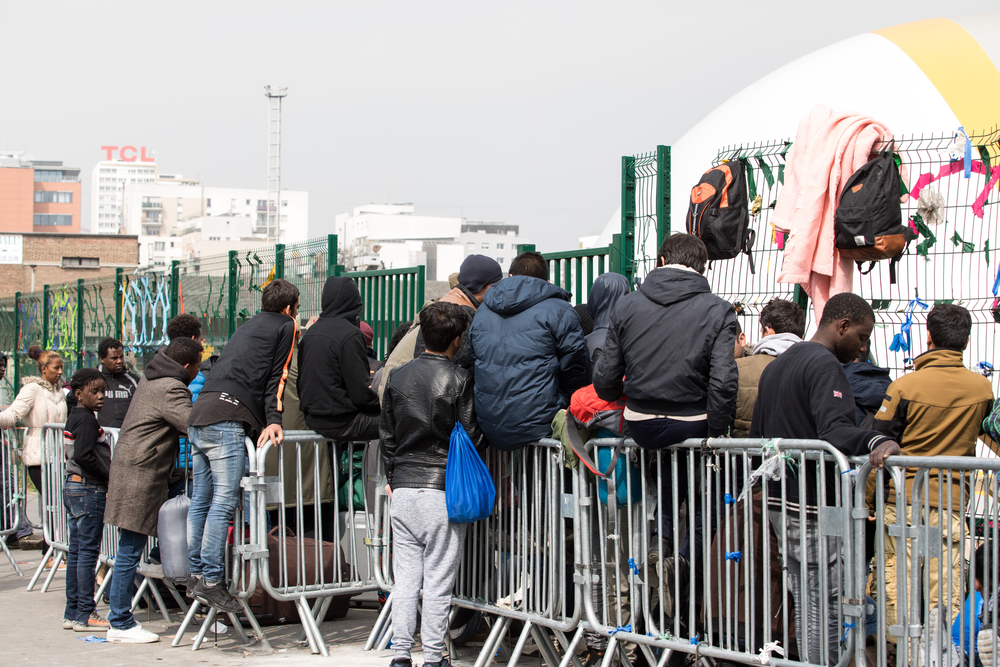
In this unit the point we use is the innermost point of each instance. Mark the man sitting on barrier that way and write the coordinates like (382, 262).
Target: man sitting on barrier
(242, 398)
(673, 340)
(529, 355)
(140, 472)
(422, 401)
(88, 459)
(937, 410)
(334, 377)
(804, 394)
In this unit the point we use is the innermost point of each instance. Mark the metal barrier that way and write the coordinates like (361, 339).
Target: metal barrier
(658, 585)
(55, 524)
(11, 491)
(241, 562)
(925, 556)
(308, 561)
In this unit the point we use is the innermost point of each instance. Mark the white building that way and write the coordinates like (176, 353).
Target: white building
(392, 236)
(107, 190)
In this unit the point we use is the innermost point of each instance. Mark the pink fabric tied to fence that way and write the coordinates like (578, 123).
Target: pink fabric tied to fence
(829, 147)
(959, 166)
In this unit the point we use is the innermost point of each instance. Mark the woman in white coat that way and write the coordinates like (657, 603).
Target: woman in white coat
(40, 401)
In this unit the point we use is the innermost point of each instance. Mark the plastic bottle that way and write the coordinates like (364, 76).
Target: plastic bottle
(172, 534)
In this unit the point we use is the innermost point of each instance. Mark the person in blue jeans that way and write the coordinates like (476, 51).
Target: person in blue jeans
(242, 398)
(140, 471)
(88, 459)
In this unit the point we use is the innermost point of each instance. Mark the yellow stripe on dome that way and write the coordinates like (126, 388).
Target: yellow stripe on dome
(957, 66)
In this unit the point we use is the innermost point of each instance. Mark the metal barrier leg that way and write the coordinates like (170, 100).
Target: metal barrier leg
(52, 573)
(519, 646)
(383, 642)
(178, 598)
(238, 632)
(143, 587)
(609, 653)
(10, 557)
(192, 610)
(493, 642)
(545, 645)
(316, 643)
(571, 648)
(448, 644)
(102, 589)
(203, 630)
(258, 633)
(41, 567)
(380, 623)
(159, 599)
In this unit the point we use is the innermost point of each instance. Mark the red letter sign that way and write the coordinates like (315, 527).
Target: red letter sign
(109, 150)
(121, 154)
(143, 158)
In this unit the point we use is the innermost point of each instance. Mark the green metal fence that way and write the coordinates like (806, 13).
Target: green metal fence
(223, 291)
(645, 210)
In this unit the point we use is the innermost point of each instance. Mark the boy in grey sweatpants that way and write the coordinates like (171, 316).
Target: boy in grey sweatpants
(422, 401)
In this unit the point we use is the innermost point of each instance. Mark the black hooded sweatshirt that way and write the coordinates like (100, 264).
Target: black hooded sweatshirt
(333, 362)
(673, 341)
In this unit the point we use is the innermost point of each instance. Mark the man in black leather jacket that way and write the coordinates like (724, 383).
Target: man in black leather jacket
(423, 399)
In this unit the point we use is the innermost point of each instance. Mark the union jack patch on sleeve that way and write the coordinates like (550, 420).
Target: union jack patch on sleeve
(837, 394)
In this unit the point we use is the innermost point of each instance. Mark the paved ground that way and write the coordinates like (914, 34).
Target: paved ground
(31, 633)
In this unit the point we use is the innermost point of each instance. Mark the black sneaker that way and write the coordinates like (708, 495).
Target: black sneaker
(217, 596)
(401, 662)
(444, 663)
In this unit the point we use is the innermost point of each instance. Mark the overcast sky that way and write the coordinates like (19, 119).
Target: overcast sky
(511, 111)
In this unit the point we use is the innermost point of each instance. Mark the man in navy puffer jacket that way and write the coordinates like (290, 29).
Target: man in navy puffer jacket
(529, 354)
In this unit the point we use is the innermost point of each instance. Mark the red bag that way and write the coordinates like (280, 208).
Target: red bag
(588, 409)
(592, 411)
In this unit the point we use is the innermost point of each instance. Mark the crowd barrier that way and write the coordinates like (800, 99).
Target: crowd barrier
(11, 491)
(805, 557)
(55, 524)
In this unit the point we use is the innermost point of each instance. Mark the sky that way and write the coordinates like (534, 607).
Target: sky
(515, 112)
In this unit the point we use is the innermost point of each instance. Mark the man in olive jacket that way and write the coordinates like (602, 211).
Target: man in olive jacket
(140, 471)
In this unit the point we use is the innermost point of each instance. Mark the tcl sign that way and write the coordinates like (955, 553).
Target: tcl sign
(127, 153)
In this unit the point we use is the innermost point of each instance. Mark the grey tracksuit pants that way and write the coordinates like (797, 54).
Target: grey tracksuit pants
(426, 550)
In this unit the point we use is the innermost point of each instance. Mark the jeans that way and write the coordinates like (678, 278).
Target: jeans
(820, 602)
(661, 433)
(219, 461)
(130, 546)
(85, 505)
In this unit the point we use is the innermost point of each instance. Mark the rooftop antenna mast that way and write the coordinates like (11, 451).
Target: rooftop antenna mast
(274, 96)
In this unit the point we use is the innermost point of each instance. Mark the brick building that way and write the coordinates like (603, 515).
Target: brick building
(38, 195)
(30, 261)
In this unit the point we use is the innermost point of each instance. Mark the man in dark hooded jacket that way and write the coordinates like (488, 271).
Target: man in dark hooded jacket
(607, 289)
(334, 376)
(673, 341)
(529, 355)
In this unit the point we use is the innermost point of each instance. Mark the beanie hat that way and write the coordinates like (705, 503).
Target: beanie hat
(367, 331)
(478, 271)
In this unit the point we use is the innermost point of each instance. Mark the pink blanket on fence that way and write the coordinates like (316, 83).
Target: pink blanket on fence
(828, 148)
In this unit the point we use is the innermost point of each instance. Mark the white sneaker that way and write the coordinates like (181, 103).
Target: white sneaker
(135, 635)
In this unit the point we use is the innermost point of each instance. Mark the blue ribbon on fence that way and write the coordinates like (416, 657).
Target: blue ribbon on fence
(734, 555)
(847, 631)
(729, 499)
(968, 152)
(986, 368)
(694, 640)
(633, 567)
(901, 341)
(996, 283)
(621, 628)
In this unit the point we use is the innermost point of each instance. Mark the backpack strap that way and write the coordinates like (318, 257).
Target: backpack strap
(576, 442)
(861, 269)
(615, 453)
(747, 245)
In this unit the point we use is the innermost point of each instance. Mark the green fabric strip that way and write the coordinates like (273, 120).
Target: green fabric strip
(966, 246)
(765, 168)
(751, 182)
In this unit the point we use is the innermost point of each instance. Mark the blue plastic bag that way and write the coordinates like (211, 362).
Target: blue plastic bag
(468, 485)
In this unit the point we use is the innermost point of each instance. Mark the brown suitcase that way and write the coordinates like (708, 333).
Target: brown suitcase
(274, 612)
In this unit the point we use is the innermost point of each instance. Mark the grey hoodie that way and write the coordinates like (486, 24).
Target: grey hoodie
(775, 344)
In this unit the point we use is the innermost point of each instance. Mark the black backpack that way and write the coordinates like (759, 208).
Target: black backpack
(868, 223)
(719, 212)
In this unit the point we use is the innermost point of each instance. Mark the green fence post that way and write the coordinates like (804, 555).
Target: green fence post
(628, 217)
(662, 194)
(420, 290)
(80, 287)
(279, 260)
(234, 268)
(525, 247)
(615, 254)
(175, 288)
(45, 317)
(800, 297)
(17, 340)
(331, 255)
(119, 293)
